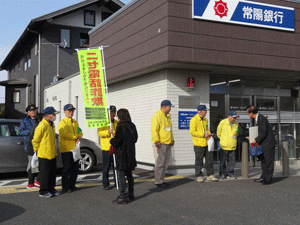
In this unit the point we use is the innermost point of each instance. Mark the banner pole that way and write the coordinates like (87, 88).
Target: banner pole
(106, 88)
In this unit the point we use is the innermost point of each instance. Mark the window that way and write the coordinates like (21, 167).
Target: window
(29, 59)
(105, 15)
(84, 40)
(89, 18)
(16, 96)
(65, 35)
(36, 47)
(4, 130)
(25, 65)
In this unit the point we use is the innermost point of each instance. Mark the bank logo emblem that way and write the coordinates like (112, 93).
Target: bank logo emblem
(220, 8)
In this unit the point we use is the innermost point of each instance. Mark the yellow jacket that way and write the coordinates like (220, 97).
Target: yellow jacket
(198, 128)
(161, 128)
(227, 134)
(68, 133)
(44, 140)
(105, 136)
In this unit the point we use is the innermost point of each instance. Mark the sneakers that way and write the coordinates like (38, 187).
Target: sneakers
(55, 193)
(36, 183)
(223, 177)
(29, 186)
(200, 179)
(47, 195)
(212, 178)
(231, 176)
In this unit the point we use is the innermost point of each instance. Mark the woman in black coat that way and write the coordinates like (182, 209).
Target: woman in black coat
(124, 143)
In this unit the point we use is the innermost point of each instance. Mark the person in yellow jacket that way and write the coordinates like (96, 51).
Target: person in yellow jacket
(44, 144)
(163, 140)
(105, 136)
(227, 132)
(200, 135)
(69, 135)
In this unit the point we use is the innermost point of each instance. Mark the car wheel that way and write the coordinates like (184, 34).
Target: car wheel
(87, 161)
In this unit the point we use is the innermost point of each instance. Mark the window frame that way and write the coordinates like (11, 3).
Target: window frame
(87, 23)
(62, 38)
(13, 101)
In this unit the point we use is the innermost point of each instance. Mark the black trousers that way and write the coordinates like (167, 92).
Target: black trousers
(122, 182)
(32, 176)
(267, 165)
(69, 171)
(47, 175)
(200, 153)
(107, 162)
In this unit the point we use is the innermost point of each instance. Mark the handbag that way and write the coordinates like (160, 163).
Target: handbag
(255, 150)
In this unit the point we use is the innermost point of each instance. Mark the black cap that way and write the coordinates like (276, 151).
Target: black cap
(31, 107)
(112, 108)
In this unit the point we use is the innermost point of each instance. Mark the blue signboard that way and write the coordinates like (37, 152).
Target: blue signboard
(245, 13)
(184, 119)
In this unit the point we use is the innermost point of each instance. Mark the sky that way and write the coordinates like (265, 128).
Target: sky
(15, 17)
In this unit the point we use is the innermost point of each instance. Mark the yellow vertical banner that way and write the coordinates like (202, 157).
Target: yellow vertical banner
(93, 87)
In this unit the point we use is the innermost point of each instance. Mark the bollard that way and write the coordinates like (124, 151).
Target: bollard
(245, 164)
(285, 159)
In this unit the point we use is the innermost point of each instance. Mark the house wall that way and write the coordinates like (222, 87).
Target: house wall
(68, 62)
(65, 92)
(153, 32)
(15, 110)
(76, 19)
(138, 38)
(142, 97)
(15, 73)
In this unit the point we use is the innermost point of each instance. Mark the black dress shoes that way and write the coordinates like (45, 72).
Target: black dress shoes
(266, 182)
(258, 180)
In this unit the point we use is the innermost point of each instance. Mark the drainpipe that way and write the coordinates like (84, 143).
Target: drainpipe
(39, 71)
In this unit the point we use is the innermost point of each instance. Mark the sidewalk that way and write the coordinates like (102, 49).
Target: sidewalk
(254, 171)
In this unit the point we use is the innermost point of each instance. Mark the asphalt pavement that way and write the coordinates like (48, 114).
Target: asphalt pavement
(186, 201)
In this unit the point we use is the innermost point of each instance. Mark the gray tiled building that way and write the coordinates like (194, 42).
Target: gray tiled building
(35, 61)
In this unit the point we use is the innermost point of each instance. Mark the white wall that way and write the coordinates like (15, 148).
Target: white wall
(60, 94)
(142, 97)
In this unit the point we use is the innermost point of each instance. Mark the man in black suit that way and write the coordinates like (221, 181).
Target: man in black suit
(267, 141)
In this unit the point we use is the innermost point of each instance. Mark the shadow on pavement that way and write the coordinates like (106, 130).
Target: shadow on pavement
(173, 184)
(278, 179)
(9, 211)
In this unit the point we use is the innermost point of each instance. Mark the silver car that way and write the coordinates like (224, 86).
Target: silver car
(14, 159)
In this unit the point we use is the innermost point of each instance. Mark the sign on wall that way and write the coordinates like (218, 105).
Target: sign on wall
(93, 87)
(184, 118)
(189, 102)
(245, 13)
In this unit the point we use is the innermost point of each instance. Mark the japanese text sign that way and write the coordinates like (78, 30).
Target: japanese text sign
(245, 13)
(93, 88)
(184, 118)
